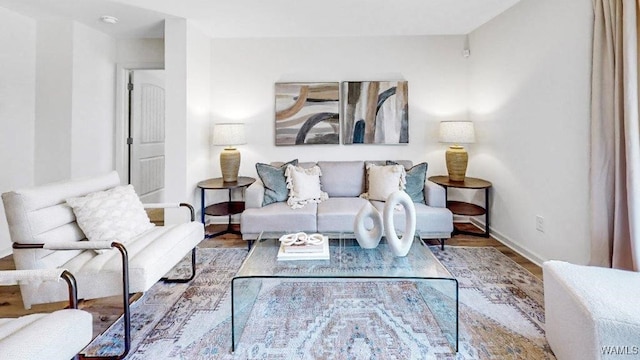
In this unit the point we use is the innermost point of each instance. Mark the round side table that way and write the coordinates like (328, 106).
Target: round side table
(226, 208)
(465, 208)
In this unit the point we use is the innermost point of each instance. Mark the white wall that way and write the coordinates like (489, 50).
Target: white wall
(54, 71)
(198, 111)
(74, 101)
(17, 108)
(244, 72)
(176, 115)
(93, 105)
(529, 97)
(187, 67)
(140, 51)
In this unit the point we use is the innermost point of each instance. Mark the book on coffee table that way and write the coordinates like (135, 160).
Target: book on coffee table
(305, 252)
(304, 248)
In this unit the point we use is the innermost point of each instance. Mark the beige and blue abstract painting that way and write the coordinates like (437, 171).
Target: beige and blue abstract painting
(307, 113)
(375, 112)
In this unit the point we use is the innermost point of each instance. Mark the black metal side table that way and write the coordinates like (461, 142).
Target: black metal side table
(226, 208)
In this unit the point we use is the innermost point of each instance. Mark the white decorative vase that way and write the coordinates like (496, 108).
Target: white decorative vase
(399, 246)
(368, 238)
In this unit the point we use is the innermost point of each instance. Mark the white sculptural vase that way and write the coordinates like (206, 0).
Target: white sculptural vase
(368, 238)
(399, 246)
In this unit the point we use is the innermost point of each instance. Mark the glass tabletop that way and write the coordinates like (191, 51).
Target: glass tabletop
(347, 259)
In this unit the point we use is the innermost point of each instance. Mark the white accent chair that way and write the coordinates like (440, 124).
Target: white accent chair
(591, 312)
(57, 335)
(45, 235)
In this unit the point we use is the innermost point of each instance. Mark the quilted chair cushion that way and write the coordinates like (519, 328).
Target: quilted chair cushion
(58, 335)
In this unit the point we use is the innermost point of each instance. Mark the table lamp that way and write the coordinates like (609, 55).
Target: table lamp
(228, 135)
(457, 132)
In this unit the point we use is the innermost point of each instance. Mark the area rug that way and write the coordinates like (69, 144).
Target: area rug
(501, 315)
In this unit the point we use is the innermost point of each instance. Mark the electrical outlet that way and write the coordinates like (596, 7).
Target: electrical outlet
(539, 223)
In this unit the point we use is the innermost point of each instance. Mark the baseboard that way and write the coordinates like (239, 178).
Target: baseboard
(529, 255)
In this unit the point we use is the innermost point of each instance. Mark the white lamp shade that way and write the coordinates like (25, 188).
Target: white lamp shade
(457, 132)
(229, 134)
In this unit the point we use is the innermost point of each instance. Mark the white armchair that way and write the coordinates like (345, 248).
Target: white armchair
(58, 335)
(45, 235)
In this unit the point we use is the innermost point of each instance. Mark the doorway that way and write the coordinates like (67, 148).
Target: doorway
(140, 129)
(146, 134)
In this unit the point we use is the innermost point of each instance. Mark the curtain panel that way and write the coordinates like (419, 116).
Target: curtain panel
(615, 136)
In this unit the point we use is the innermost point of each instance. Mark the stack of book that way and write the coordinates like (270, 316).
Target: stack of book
(305, 251)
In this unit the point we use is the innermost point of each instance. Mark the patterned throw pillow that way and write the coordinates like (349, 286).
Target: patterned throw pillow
(383, 181)
(304, 186)
(416, 176)
(111, 215)
(274, 181)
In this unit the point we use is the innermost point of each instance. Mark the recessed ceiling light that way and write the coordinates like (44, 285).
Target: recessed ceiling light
(109, 19)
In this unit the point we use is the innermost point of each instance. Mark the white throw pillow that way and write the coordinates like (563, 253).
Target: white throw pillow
(382, 181)
(111, 215)
(304, 186)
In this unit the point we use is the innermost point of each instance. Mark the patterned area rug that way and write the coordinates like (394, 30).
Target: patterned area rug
(501, 315)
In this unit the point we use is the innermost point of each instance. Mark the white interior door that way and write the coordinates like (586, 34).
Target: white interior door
(147, 134)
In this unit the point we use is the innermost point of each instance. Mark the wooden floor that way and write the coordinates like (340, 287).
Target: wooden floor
(105, 311)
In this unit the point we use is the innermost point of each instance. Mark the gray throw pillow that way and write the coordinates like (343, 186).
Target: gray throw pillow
(275, 183)
(416, 176)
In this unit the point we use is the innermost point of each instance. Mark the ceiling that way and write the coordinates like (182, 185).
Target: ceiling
(274, 18)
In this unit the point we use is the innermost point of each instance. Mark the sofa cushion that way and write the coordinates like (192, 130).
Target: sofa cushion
(278, 217)
(429, 220)
(274, 181)
(383, 181)
(338, 214)
(416, 177)
(111, 215)
(342, 178)
(304, 186)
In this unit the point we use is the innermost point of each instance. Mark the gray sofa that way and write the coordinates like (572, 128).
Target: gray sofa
(344, 181)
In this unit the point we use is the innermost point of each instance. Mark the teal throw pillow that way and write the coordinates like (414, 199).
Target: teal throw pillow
(275, 183)
(416, 176)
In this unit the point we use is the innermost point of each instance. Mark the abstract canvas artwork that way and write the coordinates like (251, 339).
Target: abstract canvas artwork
(375, 112)
(307, 113)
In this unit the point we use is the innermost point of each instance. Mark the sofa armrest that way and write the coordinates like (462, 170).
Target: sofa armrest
(254, 195)
(434, 195)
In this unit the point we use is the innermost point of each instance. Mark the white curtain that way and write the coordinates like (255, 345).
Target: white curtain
(615, 137)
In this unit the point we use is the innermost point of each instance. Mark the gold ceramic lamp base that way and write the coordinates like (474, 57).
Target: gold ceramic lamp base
(230, 164)
(457, 159)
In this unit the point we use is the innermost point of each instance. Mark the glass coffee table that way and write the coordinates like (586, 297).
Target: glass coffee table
(348, 262)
